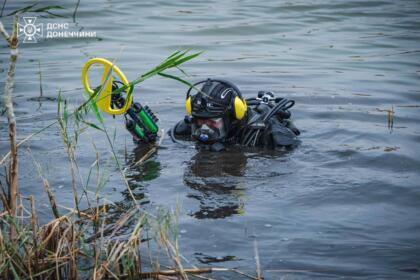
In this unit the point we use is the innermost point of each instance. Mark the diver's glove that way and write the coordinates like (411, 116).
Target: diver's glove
(290, 125)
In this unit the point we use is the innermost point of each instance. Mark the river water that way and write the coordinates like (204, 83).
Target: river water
(343, 204)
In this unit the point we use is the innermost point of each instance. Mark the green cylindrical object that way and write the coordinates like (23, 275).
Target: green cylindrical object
(138, 131)
(148, 122)
(135, 129)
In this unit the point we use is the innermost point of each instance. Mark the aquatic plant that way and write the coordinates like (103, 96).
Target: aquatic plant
(85, 243)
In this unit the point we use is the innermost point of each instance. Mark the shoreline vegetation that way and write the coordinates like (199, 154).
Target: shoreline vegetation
(87, 243)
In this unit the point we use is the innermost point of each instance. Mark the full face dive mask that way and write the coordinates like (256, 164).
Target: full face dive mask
(208, 130)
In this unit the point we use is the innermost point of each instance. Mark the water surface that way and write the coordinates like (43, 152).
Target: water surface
(344, 204)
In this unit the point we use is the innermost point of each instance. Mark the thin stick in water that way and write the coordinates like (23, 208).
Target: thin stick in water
(257, 260)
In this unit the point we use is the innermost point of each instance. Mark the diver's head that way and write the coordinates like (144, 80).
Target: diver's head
(215, 109)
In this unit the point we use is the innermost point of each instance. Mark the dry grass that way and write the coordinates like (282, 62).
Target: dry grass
(82, 244)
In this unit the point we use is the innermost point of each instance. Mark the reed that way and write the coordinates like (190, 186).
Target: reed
(81, 243)
(12, 41)
(68, 247)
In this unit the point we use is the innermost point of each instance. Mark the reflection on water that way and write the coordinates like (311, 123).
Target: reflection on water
(217, 183)
(144, 166)
(141, 168)
(216, 180)
(344, 204)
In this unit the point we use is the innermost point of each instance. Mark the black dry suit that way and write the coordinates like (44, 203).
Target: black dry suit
(266, 123)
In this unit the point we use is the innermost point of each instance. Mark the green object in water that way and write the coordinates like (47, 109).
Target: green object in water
(134, 129)
(147, 117)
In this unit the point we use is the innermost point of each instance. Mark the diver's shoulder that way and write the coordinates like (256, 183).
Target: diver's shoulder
(183, 127)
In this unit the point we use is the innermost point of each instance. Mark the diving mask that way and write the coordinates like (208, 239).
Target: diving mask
(208, 130)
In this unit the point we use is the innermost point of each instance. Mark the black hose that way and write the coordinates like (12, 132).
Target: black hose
(172, 135)
(282, 105)
(252, 136)
(274, 109)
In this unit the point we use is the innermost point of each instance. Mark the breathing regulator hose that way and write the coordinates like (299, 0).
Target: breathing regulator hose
(173, 138)
(253, 131)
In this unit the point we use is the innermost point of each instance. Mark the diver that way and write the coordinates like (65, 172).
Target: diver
(218, 116)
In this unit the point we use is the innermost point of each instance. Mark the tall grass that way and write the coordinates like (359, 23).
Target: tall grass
(12, 172)
(82, 243)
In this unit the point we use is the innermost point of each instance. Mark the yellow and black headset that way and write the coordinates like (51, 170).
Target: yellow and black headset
(238, 103)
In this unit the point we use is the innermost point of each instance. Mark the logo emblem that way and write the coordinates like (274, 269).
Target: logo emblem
(225, 92)
(30, 30)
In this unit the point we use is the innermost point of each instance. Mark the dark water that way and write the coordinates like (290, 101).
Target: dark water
(344, 204)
